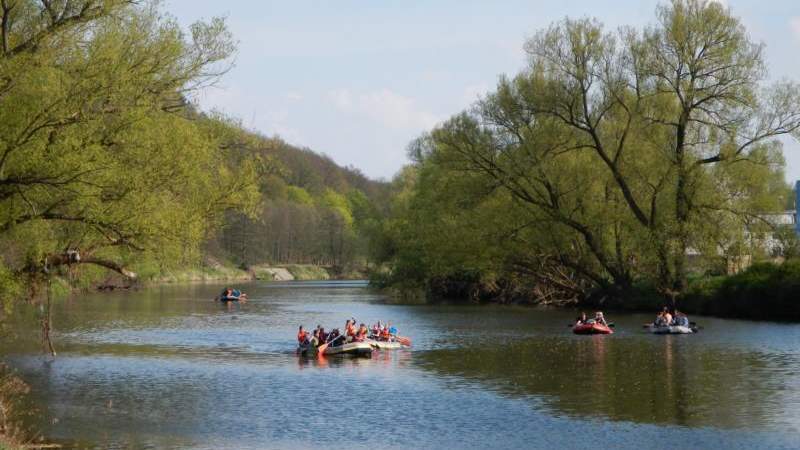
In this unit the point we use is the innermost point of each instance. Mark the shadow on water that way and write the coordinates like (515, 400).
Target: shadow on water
(666, 380)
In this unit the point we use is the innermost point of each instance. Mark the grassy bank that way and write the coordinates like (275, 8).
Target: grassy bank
(199, 274)
(291, 272)
(264, 272)
(218, 272)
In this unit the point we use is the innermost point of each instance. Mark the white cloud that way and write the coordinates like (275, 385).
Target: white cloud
(386, 107)
(794, 25)
(342, 99)
(295, 96)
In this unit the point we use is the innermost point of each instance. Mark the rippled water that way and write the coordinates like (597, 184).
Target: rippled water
(168, 368)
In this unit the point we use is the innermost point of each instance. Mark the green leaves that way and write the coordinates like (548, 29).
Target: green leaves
(100, 150)
(608, 161)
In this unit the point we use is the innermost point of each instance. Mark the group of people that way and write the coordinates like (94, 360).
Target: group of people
(379, 331)
(598, 318)
(665, 319)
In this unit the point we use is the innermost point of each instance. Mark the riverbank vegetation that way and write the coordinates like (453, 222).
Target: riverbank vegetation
(103, 161)
(619, 160)
(12, 394)
(106, 165)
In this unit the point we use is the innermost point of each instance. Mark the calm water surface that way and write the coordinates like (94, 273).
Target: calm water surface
(168, 368)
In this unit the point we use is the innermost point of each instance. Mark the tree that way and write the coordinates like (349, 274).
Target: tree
(102, 157)
(623, 151)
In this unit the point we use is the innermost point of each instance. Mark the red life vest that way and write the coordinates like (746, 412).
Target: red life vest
(302, 336)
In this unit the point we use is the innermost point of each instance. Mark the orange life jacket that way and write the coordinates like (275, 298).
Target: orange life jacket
(350, 330)
(302, 336)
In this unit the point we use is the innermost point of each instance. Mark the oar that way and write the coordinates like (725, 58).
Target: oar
(321, 348)
(403, 340)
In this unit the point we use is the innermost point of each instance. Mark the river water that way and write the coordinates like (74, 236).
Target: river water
(168, 368)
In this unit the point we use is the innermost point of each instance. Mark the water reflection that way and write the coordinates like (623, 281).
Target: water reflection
(169, 368)
(664, 381)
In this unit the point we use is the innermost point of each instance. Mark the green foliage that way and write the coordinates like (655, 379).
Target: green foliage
(100, 151)
(311, 212)
(762, 291)
(299, 195)
(606, 162)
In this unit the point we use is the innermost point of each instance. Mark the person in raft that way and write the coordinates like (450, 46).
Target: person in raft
(667, 316)
(229, 294)
(302, 336)
(361, 334)
(385, 335)
(377, 328)
(581, 320)
(333, 338)
(680, 320)
(349, 330)
(322, 335)
(598, 318)
(664, 318)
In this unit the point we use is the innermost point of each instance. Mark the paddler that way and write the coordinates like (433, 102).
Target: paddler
(229, 294)
(681, 319)
(302, 336)
(598, 318)
(362, 333)
(667, 316)
(349, 330)
(385, 335)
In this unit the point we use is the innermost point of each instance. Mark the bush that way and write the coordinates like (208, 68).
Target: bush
(763, 291)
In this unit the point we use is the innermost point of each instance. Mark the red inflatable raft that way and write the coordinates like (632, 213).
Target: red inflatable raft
(591, 328)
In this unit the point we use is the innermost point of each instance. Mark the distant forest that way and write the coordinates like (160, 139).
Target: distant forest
(311, 211)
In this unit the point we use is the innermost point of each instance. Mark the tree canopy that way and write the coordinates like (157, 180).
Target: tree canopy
(606, 162)
(103, 160)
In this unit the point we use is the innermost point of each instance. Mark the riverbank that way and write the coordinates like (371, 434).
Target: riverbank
(12, 392)
(217, 273)
(261, 272)
(764, 291)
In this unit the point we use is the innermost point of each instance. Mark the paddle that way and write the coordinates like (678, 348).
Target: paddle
(403, 340)
(321, 348)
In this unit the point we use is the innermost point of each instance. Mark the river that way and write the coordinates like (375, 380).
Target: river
(168, 368)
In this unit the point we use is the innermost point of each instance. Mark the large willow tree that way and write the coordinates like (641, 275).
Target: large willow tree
(102, 160)
(616, 154)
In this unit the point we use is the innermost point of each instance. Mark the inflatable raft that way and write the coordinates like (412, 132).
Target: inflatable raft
(673, 329)
(591, 328)
(385, 345)
(352, 348)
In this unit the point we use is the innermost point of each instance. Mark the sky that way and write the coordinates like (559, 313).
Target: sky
(359, 79)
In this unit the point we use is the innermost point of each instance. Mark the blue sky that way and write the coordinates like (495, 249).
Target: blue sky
(358, 79)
